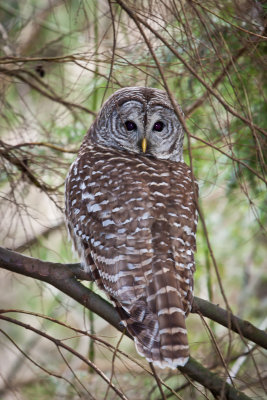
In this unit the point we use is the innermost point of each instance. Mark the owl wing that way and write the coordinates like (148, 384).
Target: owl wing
(125, 217)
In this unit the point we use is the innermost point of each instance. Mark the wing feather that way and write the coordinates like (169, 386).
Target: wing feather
(133, 223)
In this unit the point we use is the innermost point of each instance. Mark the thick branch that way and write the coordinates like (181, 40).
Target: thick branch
(208, 379)
(223, 317)
(64, 277)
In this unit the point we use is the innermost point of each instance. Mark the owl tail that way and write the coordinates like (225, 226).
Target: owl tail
(160, 337)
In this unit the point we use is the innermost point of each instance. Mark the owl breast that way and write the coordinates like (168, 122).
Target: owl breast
(133, 222)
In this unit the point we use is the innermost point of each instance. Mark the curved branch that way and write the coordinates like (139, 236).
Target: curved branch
(223, 317)
(60, 344)
(22, 166)
(46, 91)
(65, 278)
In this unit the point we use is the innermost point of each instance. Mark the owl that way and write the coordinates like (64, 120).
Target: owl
(131, 214)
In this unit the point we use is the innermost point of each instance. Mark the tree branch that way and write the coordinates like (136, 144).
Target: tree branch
(65, 278)
(223, 317)
(22, 166)
(46, 91)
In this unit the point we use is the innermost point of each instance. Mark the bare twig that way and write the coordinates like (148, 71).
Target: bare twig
(142, 21)
(61, 344)
(47, 92)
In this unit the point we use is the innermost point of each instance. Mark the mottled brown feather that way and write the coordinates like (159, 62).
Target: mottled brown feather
(132, 219)
(143, 245)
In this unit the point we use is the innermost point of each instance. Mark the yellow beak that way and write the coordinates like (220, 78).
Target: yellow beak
(144, 145)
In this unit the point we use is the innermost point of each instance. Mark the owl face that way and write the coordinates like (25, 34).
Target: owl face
(140, 120)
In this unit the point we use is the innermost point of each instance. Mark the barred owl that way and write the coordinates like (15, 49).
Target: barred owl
(131, 214)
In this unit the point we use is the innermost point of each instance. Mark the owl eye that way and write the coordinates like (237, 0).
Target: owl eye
(158, 126)
(130, 125)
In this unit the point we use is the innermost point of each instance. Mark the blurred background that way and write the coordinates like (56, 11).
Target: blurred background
(59, 61)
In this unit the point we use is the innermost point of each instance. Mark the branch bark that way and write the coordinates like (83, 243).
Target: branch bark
(65, 277)
(223, 317)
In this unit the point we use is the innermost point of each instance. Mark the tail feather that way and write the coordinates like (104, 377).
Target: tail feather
(160, 339)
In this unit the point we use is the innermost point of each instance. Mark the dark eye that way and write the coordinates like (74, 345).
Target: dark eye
(158, 126)
(130, 125)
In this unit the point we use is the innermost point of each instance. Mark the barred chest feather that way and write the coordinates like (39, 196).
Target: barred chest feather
(133, 222)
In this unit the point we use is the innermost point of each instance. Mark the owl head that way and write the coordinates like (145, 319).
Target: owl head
(139, 120)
